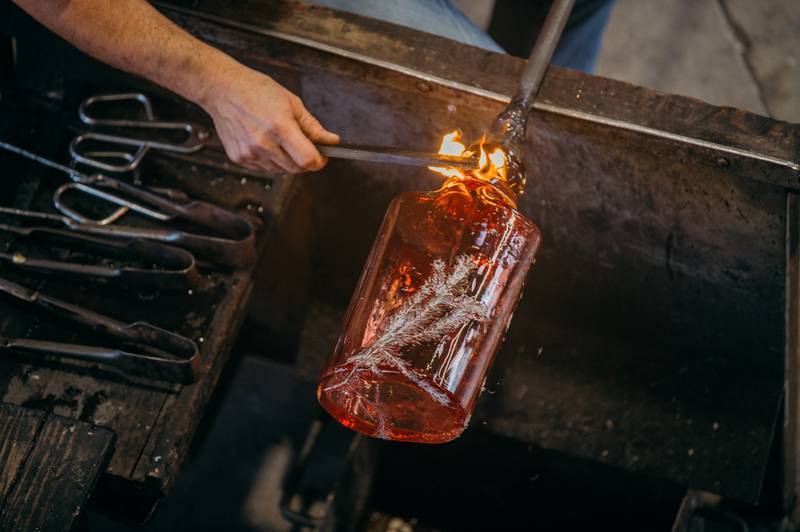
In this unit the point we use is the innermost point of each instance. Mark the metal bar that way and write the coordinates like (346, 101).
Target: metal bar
(543, 49)
(791, 401)
(478, 91)
(42, 160)
(385, 155)
(509, 128)
(659, 133)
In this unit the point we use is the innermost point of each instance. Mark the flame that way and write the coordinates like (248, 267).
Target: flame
(491, 165)
(451, 144)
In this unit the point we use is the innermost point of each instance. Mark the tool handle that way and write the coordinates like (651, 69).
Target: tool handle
(69, 311)
(86, 353)
(225, 251)
(59, 267)
(221, 221)
(178, 370)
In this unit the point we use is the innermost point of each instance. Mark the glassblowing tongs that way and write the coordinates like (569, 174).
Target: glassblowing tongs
(160, 354)
(194, 135)
(167, 267)
(223, 251)
(235, 245)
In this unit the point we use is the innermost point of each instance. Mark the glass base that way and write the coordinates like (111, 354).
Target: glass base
(382, 402)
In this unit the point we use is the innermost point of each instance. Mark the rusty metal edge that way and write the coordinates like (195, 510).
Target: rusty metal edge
(721, 149)
(791, 437)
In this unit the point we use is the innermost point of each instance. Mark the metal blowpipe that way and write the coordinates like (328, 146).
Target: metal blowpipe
(508, 128)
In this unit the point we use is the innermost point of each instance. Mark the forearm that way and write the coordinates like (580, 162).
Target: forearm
(260, 124)
(133, 36)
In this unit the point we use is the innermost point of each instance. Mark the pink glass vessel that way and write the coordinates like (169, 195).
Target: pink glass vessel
(431, 308)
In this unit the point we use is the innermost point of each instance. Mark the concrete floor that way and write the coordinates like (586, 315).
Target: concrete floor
(739, 53)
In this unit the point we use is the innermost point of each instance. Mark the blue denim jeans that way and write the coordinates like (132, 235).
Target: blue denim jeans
(578, 48)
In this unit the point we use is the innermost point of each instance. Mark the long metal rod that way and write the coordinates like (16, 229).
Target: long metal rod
(508, 129)
(394, 156)
(478, 91)
(41, 160)
(543, 50)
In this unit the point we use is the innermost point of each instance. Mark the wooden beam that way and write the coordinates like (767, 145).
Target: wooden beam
(48, 468)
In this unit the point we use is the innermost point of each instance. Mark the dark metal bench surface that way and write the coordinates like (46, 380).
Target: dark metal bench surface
(49, 465)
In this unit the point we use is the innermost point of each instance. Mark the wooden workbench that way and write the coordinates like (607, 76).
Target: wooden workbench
(49, 466)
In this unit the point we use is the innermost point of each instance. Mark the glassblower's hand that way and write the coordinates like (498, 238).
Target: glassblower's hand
(263, 125)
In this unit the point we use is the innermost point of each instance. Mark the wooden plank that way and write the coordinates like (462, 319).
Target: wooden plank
(129, 409)
(173, 429)
(56, 475)
(18, 429)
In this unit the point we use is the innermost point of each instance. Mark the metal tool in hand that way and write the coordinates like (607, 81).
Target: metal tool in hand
(235, 245)
(167, 267)
(123, 132)
(197, 137)
(160, 354)
(382, 154)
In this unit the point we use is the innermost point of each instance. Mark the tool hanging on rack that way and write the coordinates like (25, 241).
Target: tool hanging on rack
(162, 266)
(223, 251)
(160, 354)
(195, 136)
(235, 245)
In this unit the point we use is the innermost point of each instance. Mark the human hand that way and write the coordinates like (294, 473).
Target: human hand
(262, 125)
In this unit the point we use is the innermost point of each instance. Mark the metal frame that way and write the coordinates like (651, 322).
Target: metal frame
(719, 150)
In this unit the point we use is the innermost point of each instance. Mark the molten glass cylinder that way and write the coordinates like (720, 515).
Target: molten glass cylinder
(429, 312)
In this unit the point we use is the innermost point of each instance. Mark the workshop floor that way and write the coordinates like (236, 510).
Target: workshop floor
(739, 53)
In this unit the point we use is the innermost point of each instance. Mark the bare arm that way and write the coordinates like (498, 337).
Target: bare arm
(260, 123)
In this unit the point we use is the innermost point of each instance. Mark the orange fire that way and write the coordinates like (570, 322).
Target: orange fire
(491, 165)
